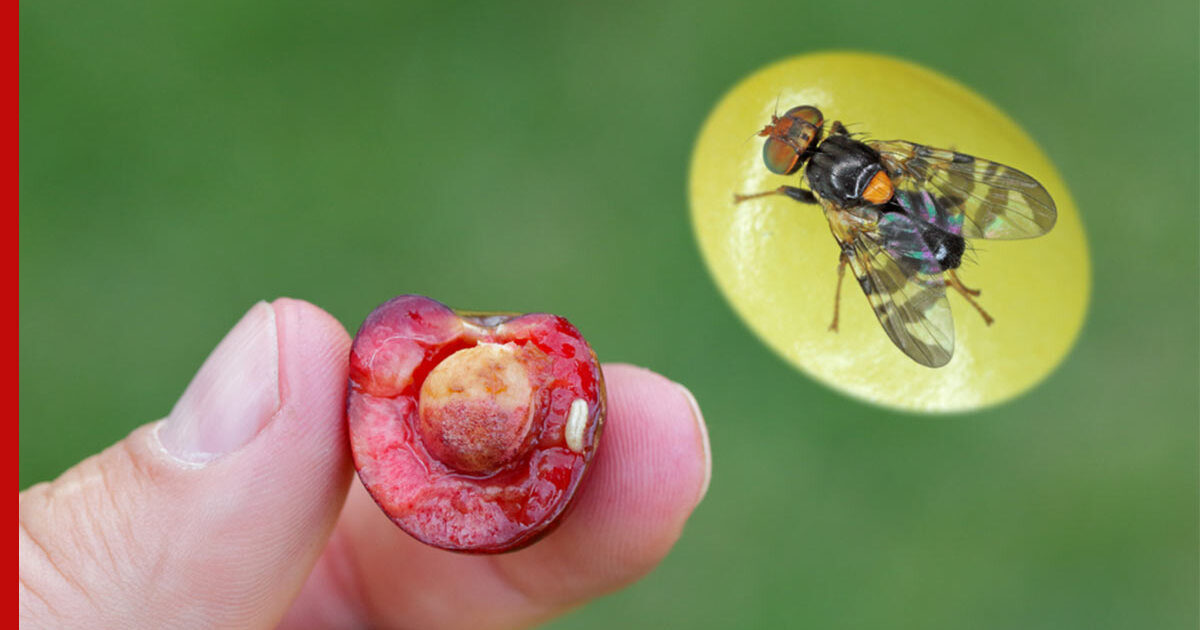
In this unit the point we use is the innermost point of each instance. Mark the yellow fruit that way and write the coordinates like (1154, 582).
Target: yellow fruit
(776, 261)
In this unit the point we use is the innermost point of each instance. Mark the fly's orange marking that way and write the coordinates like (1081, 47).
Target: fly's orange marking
(879, 189)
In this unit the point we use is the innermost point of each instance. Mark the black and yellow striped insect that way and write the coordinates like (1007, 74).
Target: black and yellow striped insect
(901, 213)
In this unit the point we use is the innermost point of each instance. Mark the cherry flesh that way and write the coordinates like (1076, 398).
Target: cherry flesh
(472, 431)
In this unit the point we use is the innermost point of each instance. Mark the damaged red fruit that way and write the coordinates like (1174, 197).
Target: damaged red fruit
(472, 430)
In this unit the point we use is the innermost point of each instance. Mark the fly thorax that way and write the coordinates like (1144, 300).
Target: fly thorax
(841, 169)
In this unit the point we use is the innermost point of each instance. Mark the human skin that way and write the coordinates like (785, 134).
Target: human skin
(239, 510)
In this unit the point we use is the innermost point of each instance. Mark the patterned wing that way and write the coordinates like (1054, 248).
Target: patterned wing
(907, 294)
(966, 195)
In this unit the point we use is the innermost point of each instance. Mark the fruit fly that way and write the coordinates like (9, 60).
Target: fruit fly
(901, 213)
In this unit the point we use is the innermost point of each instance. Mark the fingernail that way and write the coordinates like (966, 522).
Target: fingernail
(703, 429)
(233, 396)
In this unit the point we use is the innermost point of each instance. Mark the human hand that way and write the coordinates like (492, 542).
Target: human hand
(238, 509)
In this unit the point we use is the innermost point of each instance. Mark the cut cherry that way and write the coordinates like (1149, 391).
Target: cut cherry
(472, 430)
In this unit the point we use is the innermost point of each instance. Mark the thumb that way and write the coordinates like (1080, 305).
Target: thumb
(214, 516)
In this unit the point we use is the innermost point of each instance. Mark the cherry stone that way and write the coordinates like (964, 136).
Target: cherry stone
(476, 408)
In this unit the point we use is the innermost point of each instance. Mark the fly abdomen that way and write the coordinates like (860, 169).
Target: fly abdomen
(919, 245)
(947, 248)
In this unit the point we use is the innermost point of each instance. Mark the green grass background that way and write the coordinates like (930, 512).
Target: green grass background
(180, 161)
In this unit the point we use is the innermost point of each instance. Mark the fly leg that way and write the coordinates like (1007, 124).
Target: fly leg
(799, 194)
(837, 293)
(962, 287)
(952, 280)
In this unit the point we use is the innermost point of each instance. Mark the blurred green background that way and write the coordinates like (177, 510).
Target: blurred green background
(180, 161)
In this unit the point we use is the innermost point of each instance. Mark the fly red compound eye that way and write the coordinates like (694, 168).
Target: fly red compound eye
(789, 138)
(806, 114)
(472, 431)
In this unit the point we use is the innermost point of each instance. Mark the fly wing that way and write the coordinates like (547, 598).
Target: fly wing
(907, 295)
(966, 195)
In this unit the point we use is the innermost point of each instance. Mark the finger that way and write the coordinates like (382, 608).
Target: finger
(214, 516)
(651, 470)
